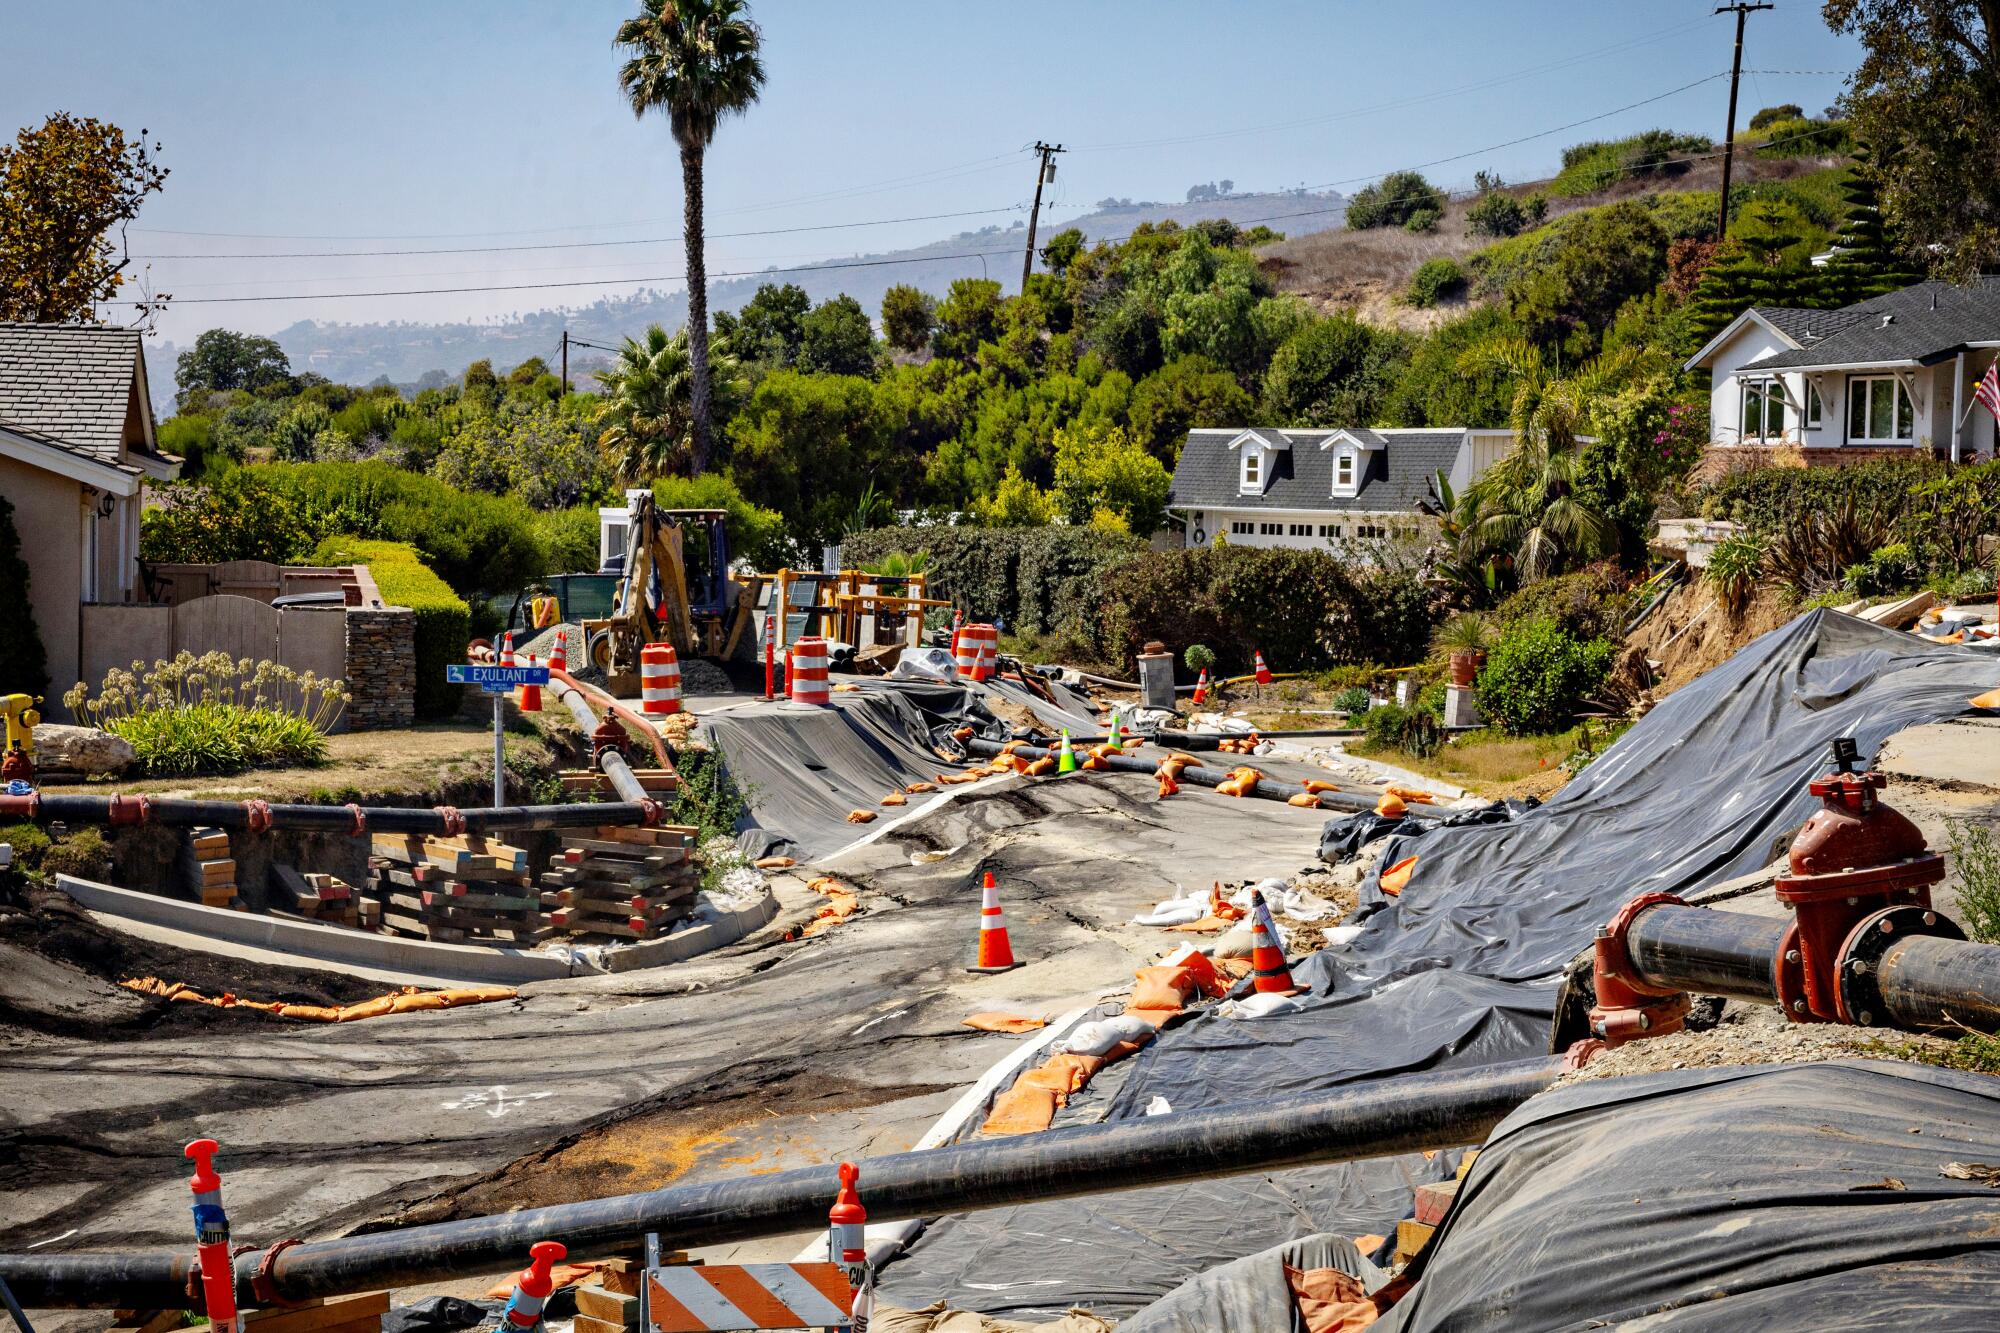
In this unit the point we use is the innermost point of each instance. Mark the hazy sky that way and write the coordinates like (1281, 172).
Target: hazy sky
(395, 124)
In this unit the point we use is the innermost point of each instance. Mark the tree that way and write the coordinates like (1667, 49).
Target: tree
(1390, 201)
(646, 418)
(698, 61)
(1926, 101)
(908, 316)
(1496, 214)
(1334, 372)
(221, 361)
(1180, 396)
(1865, 261)
(24, 664)
(1062, 250)
(969, 316)
(1015, 503)
(1604, 257)
(771, 325)
(835, 339)
(811, 447)
(63, 187)
(1527, 507)
(1771, 115)
(1105, 469)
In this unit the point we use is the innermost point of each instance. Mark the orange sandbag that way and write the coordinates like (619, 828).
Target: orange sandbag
(1094, 763)
(1305, 800)
(1177, 762)
(1019, 764)
(375, 1008)
(1315, 786)
(1022, 1109)
(1410, 794)
(1161, 987)
(993, 1022)
(773, 862)
(1008, 747)
(1168, 787)
(1101, 752)
(1397, 877)
(962, 734)
(1329, 1301)
(1240, 782)
(1042, 767)
(1202, 974)
(860, 816)
(1990, 699)
(916, 787)
(894, 798)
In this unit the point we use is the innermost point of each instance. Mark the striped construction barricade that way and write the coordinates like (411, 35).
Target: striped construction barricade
(686, 1298)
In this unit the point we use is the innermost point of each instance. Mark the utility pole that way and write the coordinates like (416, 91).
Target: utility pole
(565, 361)
(1742, 11)
(1045, 171)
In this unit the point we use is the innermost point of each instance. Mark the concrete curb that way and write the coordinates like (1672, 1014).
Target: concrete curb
(335, 945)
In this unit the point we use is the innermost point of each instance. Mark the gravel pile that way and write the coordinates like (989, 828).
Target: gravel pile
(1747, 1035)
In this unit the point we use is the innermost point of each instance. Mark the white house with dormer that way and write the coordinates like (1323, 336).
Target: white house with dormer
(1267, 486)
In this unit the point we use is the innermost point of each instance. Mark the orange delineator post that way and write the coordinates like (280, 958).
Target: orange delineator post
(996, 952)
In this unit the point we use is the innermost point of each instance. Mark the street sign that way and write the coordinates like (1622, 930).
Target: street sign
(497, 679)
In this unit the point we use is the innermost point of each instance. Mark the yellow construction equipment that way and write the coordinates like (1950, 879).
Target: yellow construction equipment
(675, 589)
(19, 713)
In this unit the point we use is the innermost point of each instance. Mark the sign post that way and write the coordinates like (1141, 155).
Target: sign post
(498, 681)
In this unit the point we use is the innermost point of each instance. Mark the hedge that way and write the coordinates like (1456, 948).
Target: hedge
(444, 622)
(1040, 580)
(1305, 610)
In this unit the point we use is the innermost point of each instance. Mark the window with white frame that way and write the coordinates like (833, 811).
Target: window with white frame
(1814, 409)
(1879, 411)
(1344, 472)
(1253, 469)
(1763, 415)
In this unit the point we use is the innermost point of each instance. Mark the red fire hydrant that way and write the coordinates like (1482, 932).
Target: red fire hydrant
(1854, 868)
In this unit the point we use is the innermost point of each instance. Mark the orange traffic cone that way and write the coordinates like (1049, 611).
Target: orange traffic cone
(996, 954)
(531, 695)
(559, 652)
(1267, 956)
(1263, 672)
(1201, 687)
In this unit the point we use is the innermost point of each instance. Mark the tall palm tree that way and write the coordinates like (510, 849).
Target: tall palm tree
(1527, 506)
(698, 61)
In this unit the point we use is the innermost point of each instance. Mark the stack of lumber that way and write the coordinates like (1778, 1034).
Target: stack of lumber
(323, 898)
(629, 883)
(208, 868)
(614, 1306)
(461, 890)
(654, 780)
(334, 1314)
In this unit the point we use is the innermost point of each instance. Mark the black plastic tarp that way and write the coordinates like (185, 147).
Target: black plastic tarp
(1782, 1197)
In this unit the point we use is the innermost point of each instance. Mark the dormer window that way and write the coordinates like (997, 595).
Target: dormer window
(1253, 469)
(1343, 473)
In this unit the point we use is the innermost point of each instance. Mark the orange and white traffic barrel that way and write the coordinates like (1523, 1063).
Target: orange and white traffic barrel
(977, 653)
(805, 672)
(659, 680)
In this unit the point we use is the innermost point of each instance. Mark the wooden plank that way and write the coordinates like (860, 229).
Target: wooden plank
(609, 1307)
(217, 872)
(335, 1313)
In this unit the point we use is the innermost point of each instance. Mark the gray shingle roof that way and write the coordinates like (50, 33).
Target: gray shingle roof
(70, 381)
(1925, 323)
(89, 455)
(1806, 327)
(1395, 476)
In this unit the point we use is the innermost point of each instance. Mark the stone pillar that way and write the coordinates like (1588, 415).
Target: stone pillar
(1461, 706)
(1156, 676)
(381, 668)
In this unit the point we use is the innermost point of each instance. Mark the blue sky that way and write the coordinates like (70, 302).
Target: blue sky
(380, 124)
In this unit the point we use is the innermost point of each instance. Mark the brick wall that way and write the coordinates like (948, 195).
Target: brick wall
(381, 668)
(1718, 461)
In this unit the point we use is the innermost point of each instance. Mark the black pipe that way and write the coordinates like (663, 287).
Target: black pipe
(1924, 982)
(1414, 1113)
(1731, 954)
(181, 813)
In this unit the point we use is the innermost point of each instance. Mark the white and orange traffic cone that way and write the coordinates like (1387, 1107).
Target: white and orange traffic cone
(507, 648)
(559, 652)
(996, 954)
(1263, 671)
(1267, 956)
(1201, 687)
(531, 695)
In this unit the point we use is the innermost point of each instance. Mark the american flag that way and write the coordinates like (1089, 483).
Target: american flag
(1988, 391)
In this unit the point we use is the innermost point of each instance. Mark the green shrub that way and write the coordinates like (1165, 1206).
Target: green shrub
(444, 621)
(209, 714)
(570, 538)
(28, 842)
(1199, 658)
(1304, 609)
(1421, 221)
(1891, 568)
(210, 738)
(1733, 569)
(82, 853)
(1803, 136)
(1411, 730)
(1391, 201)
(1353, 701)
(1497, 214)
(1538, 675)
(1817, 523)
(24, 666)
(1040, 580)
(1591, 603)
(1976, 858)
(1588, 168)
(1435, 280)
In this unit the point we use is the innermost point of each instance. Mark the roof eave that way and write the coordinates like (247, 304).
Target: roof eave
(1730, 330)
(80, 466)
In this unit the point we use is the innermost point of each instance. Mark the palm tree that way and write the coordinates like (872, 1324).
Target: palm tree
(698, 61)
(1527, 506)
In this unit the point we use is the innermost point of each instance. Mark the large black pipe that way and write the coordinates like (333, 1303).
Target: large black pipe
(1925, 982)
(1270, 789)
(1415, 1113)
(181, 813)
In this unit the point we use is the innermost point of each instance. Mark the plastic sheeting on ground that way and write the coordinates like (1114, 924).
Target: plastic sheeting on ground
(1271, 1292)
(1780, 1197)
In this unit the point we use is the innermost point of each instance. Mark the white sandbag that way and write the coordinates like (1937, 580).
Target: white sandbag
(1159, 1106)
(1099, 1036)
(1339, 937)
(1175, 911)
(1259, 1004)
(1236, 942)
(925, 664)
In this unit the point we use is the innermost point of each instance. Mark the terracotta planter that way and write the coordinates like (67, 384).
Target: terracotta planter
(1465, 666)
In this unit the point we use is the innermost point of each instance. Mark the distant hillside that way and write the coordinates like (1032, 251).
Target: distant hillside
(407, 352)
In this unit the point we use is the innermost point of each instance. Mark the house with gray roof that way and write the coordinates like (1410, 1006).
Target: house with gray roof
(1265, 486)
(76, 448)
(1886, 376)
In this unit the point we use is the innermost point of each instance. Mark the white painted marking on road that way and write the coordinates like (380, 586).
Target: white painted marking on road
(53, 1239)
(495, 1101)
(873, 1021)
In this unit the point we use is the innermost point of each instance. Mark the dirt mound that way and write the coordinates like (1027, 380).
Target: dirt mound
(1691, 632)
